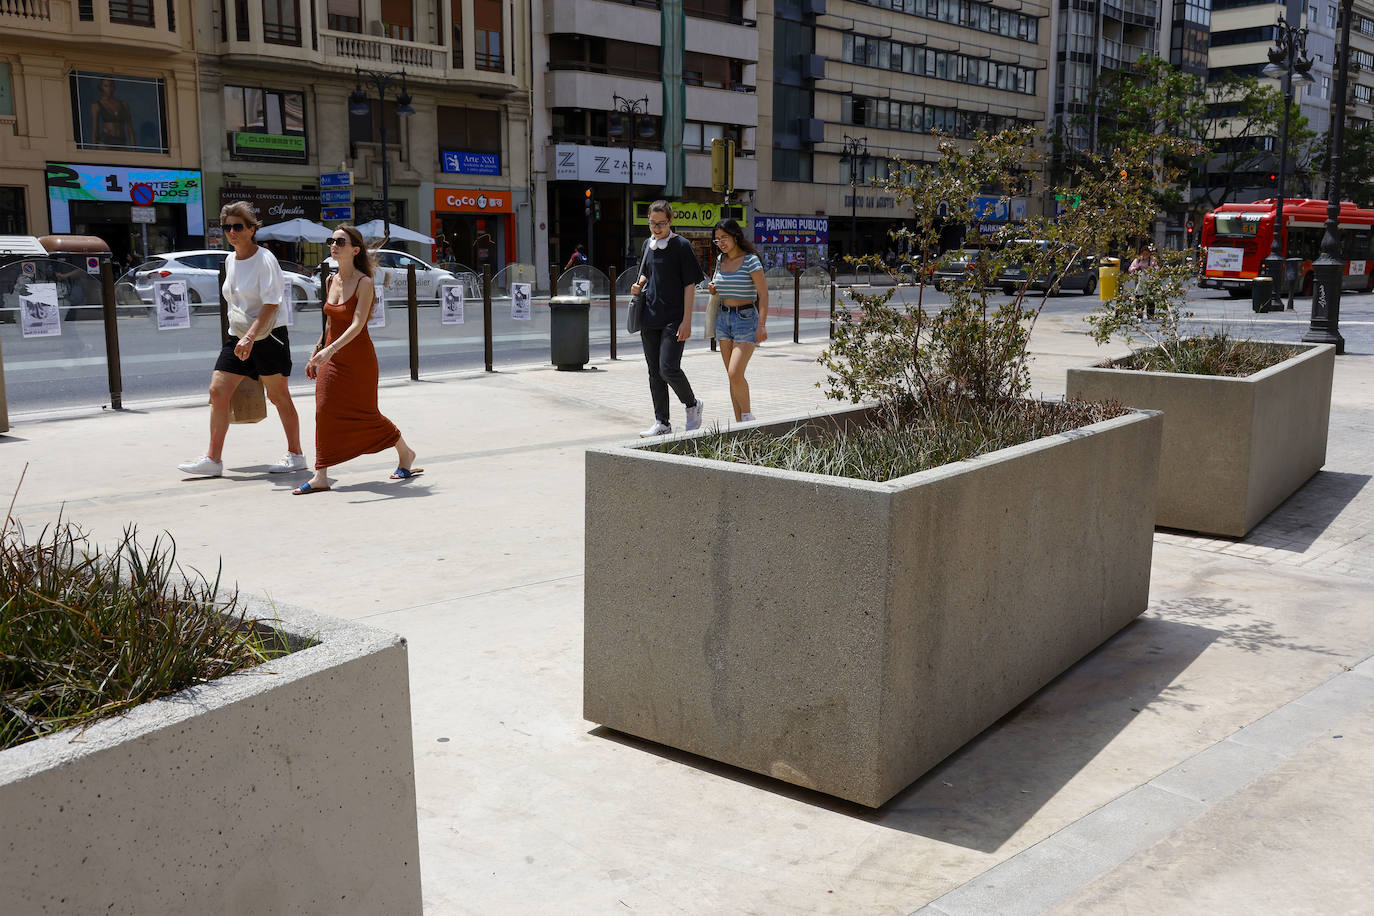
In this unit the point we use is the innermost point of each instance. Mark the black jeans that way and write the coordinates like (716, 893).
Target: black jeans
(663, 353)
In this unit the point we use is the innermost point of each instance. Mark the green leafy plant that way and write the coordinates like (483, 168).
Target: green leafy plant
(86, 635)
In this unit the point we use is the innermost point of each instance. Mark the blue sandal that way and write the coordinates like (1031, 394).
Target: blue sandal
(406, 473)
(306, 489)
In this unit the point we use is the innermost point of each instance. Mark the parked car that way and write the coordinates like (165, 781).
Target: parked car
(954, 267)
(200, 270)
(1080, 275)
(391, 274)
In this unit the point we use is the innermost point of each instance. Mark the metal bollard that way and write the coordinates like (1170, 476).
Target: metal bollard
(796, 307)
(613, 327)
(486, 314)
(832, 303)
(414, 322)
(107, 296)
(223, 305)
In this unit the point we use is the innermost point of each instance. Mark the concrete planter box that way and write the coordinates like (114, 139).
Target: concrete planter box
(845, 635)
(287, 788)
(1234, 448)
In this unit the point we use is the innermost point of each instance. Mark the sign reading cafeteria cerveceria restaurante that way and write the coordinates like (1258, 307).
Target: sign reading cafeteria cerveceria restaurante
(274, 205)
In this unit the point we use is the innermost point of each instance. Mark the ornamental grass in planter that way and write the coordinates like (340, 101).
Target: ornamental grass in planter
(841, 600)
(1245, 421)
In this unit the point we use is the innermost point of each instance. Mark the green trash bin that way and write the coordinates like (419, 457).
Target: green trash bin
(569, 332)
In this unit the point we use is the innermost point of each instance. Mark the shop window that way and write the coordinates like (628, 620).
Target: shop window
(487, 20)
(398, 20)
(344, 15)
(132, 12)
(473, 130)
(112, 112)
(265, 123)
(281, 22)
(456, 11)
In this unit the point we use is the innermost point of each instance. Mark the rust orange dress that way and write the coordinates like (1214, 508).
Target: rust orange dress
(347, 421)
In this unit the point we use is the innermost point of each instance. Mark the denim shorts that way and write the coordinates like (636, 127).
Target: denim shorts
(741, 326)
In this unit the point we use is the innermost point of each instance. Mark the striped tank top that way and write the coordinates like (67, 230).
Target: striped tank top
(738, 284)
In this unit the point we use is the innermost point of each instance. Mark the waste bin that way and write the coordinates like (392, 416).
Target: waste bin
(1262, 294)
(4, 409)
(569, 334)
(1108, 276)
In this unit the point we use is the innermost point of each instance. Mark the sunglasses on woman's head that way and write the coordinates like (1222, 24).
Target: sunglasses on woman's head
(234, 227)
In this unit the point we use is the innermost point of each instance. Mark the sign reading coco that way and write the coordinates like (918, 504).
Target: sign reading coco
(472, 200)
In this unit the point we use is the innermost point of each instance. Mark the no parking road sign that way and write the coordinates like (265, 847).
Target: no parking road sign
(141, 194)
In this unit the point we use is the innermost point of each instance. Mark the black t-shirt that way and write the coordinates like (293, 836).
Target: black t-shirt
(670, 270)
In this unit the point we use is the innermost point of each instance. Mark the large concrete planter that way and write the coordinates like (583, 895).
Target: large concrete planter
(1234, 448)
(845, 635)
(288, 788)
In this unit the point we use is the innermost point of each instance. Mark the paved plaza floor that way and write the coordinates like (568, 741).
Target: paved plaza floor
(1212, 757)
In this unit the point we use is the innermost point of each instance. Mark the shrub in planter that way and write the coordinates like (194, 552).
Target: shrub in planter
(1245, 422)
(851, 596)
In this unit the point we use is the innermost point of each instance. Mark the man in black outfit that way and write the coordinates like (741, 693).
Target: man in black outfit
(670, 275)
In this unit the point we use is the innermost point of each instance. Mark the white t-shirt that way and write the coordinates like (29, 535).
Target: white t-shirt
(249, 284)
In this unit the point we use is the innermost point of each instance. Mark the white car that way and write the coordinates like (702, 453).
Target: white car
(200, 270)
(391, 275)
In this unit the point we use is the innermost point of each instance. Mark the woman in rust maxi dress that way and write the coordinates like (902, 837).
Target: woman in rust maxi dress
(344, 366)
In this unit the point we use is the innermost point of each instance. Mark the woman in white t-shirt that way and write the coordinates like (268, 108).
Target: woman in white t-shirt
(258, 346)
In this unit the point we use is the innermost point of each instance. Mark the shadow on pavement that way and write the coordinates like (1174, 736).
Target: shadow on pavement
(982, 794)
(1303, 517)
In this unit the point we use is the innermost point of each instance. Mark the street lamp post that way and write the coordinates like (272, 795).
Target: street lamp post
(1289, 63)
(358, 104)
(856, 154)
(1329, 269)
(632, 108)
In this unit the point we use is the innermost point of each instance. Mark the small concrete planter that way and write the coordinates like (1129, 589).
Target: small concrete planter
(845, 635)
(1234, 448)
(287, 788)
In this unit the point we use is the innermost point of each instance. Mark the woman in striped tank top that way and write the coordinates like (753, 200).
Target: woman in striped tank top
(742, 322)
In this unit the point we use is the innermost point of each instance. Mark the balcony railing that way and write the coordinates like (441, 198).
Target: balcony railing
(36, 10)
(370, 51)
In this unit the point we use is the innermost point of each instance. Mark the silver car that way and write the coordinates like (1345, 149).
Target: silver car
(200, 270)
(391, 275)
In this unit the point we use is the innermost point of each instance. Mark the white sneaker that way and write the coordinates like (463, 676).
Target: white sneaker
(658, 429)
(202, 467)
(745, 416)
(694, 414)
(289, 462)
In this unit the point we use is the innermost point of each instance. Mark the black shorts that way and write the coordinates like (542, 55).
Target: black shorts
(270, 356)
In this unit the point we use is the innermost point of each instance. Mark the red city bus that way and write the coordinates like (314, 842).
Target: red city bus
(1236, 238)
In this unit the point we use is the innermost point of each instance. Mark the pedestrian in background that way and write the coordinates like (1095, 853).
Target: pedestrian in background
(344, 367)
(741, 323)
(579, 256)
(1144, 259)
(257, 348)
(668, 280)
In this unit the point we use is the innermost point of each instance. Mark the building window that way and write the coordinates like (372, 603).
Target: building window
(13, 220)
(367, 128)
(474, 130)
(265, 124)
(791, 165)
(972, 15)
(85, 10)
(345, 15)
(886, 54)
(124, 113)
(241, 19)
(456, 10)
(723, 10)
(398, 20)
(487, 21)
(281, 22)
(132, 12)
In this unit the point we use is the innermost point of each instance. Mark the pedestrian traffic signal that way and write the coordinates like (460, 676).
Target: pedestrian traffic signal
(597, 210)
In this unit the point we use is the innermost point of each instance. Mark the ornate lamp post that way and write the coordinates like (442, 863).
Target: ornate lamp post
(358, 104)
(631, 109)
(856, 155)
(1288, 63)
(1329, 268)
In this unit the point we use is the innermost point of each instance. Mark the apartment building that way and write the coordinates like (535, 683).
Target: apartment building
(879, 78)
(648, 81)
(98, 122)
(1096, 36)
(276, 84)
(1361, 74)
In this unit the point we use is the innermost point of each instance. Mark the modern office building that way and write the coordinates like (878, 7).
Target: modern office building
(880, 77)
(653, 81)
(98, 126)
(276, 85)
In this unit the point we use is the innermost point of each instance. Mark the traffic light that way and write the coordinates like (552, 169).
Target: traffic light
(588, 206)
(1273, 176)
(1123, 174)
(596, 210)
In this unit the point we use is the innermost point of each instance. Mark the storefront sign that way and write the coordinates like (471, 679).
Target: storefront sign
(275, 205)
(472, 200)
(999, 209)
(691, 215)
(791, 230)
(67, 182)
(275, 146)
(470, 163)
(608, 164)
